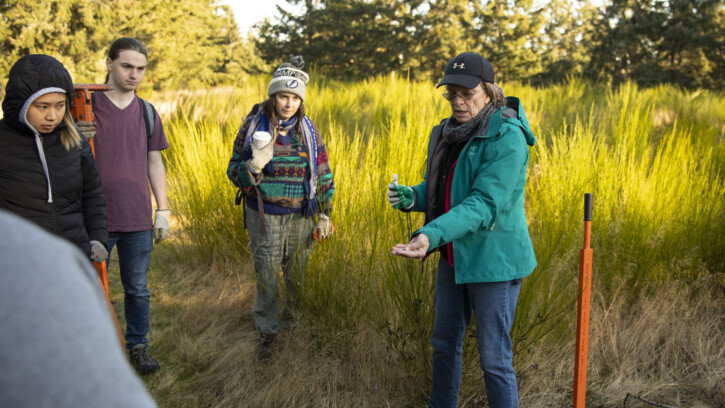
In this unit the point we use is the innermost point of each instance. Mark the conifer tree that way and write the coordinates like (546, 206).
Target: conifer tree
(508, 30)
(192, 43)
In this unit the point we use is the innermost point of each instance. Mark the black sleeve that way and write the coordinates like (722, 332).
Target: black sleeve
(94, 202)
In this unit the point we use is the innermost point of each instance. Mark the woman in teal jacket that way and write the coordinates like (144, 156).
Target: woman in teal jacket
(473, 198)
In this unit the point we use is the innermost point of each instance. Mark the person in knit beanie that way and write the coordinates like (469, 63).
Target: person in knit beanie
(289, 77)
(280, 165)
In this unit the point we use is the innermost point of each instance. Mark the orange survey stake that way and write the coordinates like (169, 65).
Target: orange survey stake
(585, 295)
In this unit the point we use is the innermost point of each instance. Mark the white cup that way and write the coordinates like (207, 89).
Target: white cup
(261, 139)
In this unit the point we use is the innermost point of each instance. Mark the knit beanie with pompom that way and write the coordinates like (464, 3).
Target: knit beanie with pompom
(289, 77)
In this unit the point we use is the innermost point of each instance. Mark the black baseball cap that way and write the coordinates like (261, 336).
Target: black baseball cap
(467, 70)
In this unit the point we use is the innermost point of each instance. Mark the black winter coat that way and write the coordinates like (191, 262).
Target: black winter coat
(78, 208)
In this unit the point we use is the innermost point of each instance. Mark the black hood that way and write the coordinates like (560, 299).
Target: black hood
(29, 75)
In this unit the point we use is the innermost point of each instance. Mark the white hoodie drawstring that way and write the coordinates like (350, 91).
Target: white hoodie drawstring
(41, 152)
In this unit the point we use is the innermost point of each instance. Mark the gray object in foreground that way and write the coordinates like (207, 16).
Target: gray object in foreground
(58, 345)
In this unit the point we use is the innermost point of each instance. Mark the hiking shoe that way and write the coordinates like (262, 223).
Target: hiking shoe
(142, 361)
(264, 350)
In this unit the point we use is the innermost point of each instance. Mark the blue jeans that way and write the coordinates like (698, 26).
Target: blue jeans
(494, 305)
(134, 258)
(287, 244)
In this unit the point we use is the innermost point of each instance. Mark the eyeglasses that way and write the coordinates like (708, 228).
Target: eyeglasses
(466, 96)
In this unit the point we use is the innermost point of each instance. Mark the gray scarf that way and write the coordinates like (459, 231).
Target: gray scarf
(455, 132)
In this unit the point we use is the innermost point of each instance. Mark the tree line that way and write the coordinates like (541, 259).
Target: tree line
(647, 41)
(196, 43)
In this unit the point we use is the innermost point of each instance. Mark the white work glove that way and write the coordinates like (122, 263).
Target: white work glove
(324, 228)
(260, 157)
(401, 197)
(98, 251)
(161, 225)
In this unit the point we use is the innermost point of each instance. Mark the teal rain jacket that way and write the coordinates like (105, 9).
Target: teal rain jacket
(486, 222)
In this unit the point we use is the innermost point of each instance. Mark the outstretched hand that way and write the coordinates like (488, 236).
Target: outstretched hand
(416, 248)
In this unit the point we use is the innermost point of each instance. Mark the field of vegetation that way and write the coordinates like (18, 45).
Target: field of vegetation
(654, 160)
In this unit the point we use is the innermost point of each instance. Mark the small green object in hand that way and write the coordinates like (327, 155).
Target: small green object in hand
(400, 197)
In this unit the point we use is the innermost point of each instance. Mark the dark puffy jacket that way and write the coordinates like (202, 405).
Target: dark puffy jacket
(76, 209)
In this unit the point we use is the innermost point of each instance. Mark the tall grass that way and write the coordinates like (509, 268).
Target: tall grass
(653, 159)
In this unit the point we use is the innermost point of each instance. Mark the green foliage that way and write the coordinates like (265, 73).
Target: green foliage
(191, 43)
(650, 42)
(674, 41)
(74, 31)
(446, 29)
(186, 36)
(506, 33)
(345, 39)
(365, 38)
(562, 46)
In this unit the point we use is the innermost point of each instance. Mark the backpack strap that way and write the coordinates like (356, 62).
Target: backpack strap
(149, 117)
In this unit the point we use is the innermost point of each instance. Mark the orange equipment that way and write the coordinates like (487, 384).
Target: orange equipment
(585, 295)
(82, 108)
(83, 111)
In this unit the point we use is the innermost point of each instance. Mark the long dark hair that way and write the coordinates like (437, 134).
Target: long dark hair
(124, 44)
(269, 108)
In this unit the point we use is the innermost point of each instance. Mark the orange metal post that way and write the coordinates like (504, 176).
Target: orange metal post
(103, 277)
(585, 295)
(83, 111)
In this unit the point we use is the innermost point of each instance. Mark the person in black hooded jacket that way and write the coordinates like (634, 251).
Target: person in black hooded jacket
(47, 171)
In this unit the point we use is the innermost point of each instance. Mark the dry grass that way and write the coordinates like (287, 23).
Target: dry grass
(667, 346)
(203, 334)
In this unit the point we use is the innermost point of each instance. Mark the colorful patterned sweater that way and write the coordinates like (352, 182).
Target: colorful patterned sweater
(281, 182)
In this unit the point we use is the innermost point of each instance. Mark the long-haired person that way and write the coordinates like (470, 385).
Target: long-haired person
(280, 164)
(129, 140)
(47, 171)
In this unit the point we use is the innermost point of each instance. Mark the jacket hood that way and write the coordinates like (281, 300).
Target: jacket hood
(31, 77)
(512, 113)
